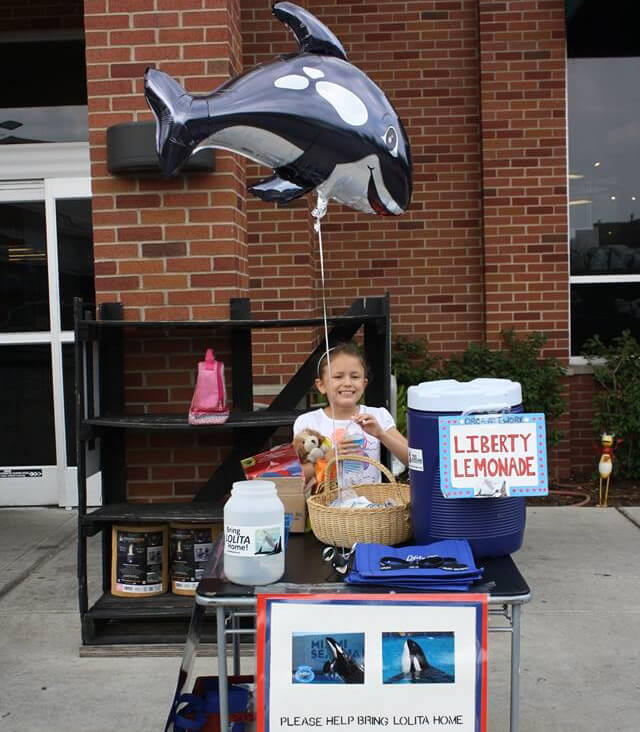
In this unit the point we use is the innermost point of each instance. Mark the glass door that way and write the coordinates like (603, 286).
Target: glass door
(46, 259)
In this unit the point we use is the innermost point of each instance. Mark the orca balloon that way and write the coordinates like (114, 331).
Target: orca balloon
(315, 119)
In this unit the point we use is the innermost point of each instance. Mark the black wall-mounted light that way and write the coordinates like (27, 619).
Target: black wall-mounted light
(131, 150)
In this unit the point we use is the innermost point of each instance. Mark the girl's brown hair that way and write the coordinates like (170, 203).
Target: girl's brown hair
(348, 347)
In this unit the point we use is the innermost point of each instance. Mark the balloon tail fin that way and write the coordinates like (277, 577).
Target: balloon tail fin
(173, 109)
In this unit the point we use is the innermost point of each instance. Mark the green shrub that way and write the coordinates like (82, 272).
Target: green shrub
(519, 360)
(616, 370)
(411, 363)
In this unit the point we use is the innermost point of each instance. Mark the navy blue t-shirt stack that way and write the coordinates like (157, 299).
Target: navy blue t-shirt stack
(441, 566)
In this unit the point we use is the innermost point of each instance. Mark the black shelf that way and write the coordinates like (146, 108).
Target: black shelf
(101, 413)
(262, 418)
(150, 513)
(123, 620)
(246, 324)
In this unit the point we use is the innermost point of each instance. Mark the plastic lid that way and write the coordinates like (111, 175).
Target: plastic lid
(255, 487)
(449, 395)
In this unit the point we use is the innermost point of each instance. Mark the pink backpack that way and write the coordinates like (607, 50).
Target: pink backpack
(209, 403)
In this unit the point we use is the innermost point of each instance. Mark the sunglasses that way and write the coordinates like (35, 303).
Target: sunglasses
(449, 564)
(341, 561)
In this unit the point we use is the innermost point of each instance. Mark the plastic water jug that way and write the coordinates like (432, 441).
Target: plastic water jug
(254, 533)
(493, 526)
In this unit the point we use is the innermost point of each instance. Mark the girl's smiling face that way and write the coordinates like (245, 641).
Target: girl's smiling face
(346, 385)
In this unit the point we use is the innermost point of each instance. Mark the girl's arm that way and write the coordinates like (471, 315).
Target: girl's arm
(392, 439)
(396, 443)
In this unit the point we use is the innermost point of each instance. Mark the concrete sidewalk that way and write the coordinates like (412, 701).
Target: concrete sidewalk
(580, 649)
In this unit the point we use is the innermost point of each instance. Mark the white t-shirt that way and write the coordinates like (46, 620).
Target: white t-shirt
(354, 472)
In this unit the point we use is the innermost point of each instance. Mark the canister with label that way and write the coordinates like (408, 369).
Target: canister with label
(190, 547)
(254, 533)
(139, 560)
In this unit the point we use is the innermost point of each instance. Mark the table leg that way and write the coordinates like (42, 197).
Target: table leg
(223, 682)
(235, 624)
(188, 657)
(515, 668)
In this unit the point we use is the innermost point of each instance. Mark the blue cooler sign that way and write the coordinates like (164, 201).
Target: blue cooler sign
(493, 455)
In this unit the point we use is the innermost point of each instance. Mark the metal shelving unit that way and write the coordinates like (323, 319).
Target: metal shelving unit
(165, 619)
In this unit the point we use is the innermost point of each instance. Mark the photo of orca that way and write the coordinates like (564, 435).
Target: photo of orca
(342, 664)
(268, 542)
(315, 119)
(409, 655)
(319, 658)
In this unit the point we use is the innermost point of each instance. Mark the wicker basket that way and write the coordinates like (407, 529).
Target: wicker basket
(346, 526)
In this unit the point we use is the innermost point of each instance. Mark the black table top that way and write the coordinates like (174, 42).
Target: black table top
(305, 571)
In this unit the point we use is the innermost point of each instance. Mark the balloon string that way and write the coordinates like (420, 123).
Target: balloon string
(318, 213)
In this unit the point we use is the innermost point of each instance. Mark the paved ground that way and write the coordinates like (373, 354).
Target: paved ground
(580, 649)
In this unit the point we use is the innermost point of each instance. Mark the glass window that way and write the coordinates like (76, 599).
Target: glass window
(24, 288)
(604, 158)
(26, 416)
(46, 100)
(75, 255)
(603, 308)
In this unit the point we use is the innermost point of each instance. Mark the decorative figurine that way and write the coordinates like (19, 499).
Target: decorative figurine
(605, 466)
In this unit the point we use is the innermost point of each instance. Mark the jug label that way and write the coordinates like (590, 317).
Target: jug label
(415, 459)
(252, 541)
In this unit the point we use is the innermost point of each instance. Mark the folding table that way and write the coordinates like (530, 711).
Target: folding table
(306, 572)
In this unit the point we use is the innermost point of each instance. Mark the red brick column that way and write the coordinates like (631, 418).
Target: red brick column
(524, 173)
(524, 176)
(166, 249)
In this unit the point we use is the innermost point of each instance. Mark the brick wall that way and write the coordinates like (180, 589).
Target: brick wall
(480, 88)
(167, 249)
(524, 176)
(522, 78)
(582, 437)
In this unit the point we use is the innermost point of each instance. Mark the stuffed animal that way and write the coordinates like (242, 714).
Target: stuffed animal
(311, 446)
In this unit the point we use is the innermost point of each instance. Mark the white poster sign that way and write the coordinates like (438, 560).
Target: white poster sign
(366, 662)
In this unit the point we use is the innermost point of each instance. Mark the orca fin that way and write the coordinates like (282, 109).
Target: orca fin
(278, 189)
(313, 36)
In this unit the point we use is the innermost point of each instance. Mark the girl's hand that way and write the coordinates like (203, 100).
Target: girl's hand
(369, 424)
(349, 446)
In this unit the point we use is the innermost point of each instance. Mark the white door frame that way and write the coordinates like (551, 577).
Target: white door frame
(32, 181)
(54, 190)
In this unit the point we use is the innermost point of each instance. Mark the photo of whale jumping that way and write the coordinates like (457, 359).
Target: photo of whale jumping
(342, 664)
(418, 658)
(268, 541)
(328, 659)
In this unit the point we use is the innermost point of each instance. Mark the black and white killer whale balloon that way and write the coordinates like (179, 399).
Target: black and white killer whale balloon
(313, 117)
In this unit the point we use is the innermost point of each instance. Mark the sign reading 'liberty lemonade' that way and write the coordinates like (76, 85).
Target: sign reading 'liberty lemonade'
(493, 455)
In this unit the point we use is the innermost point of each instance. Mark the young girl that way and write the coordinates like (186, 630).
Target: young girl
(344, 385)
